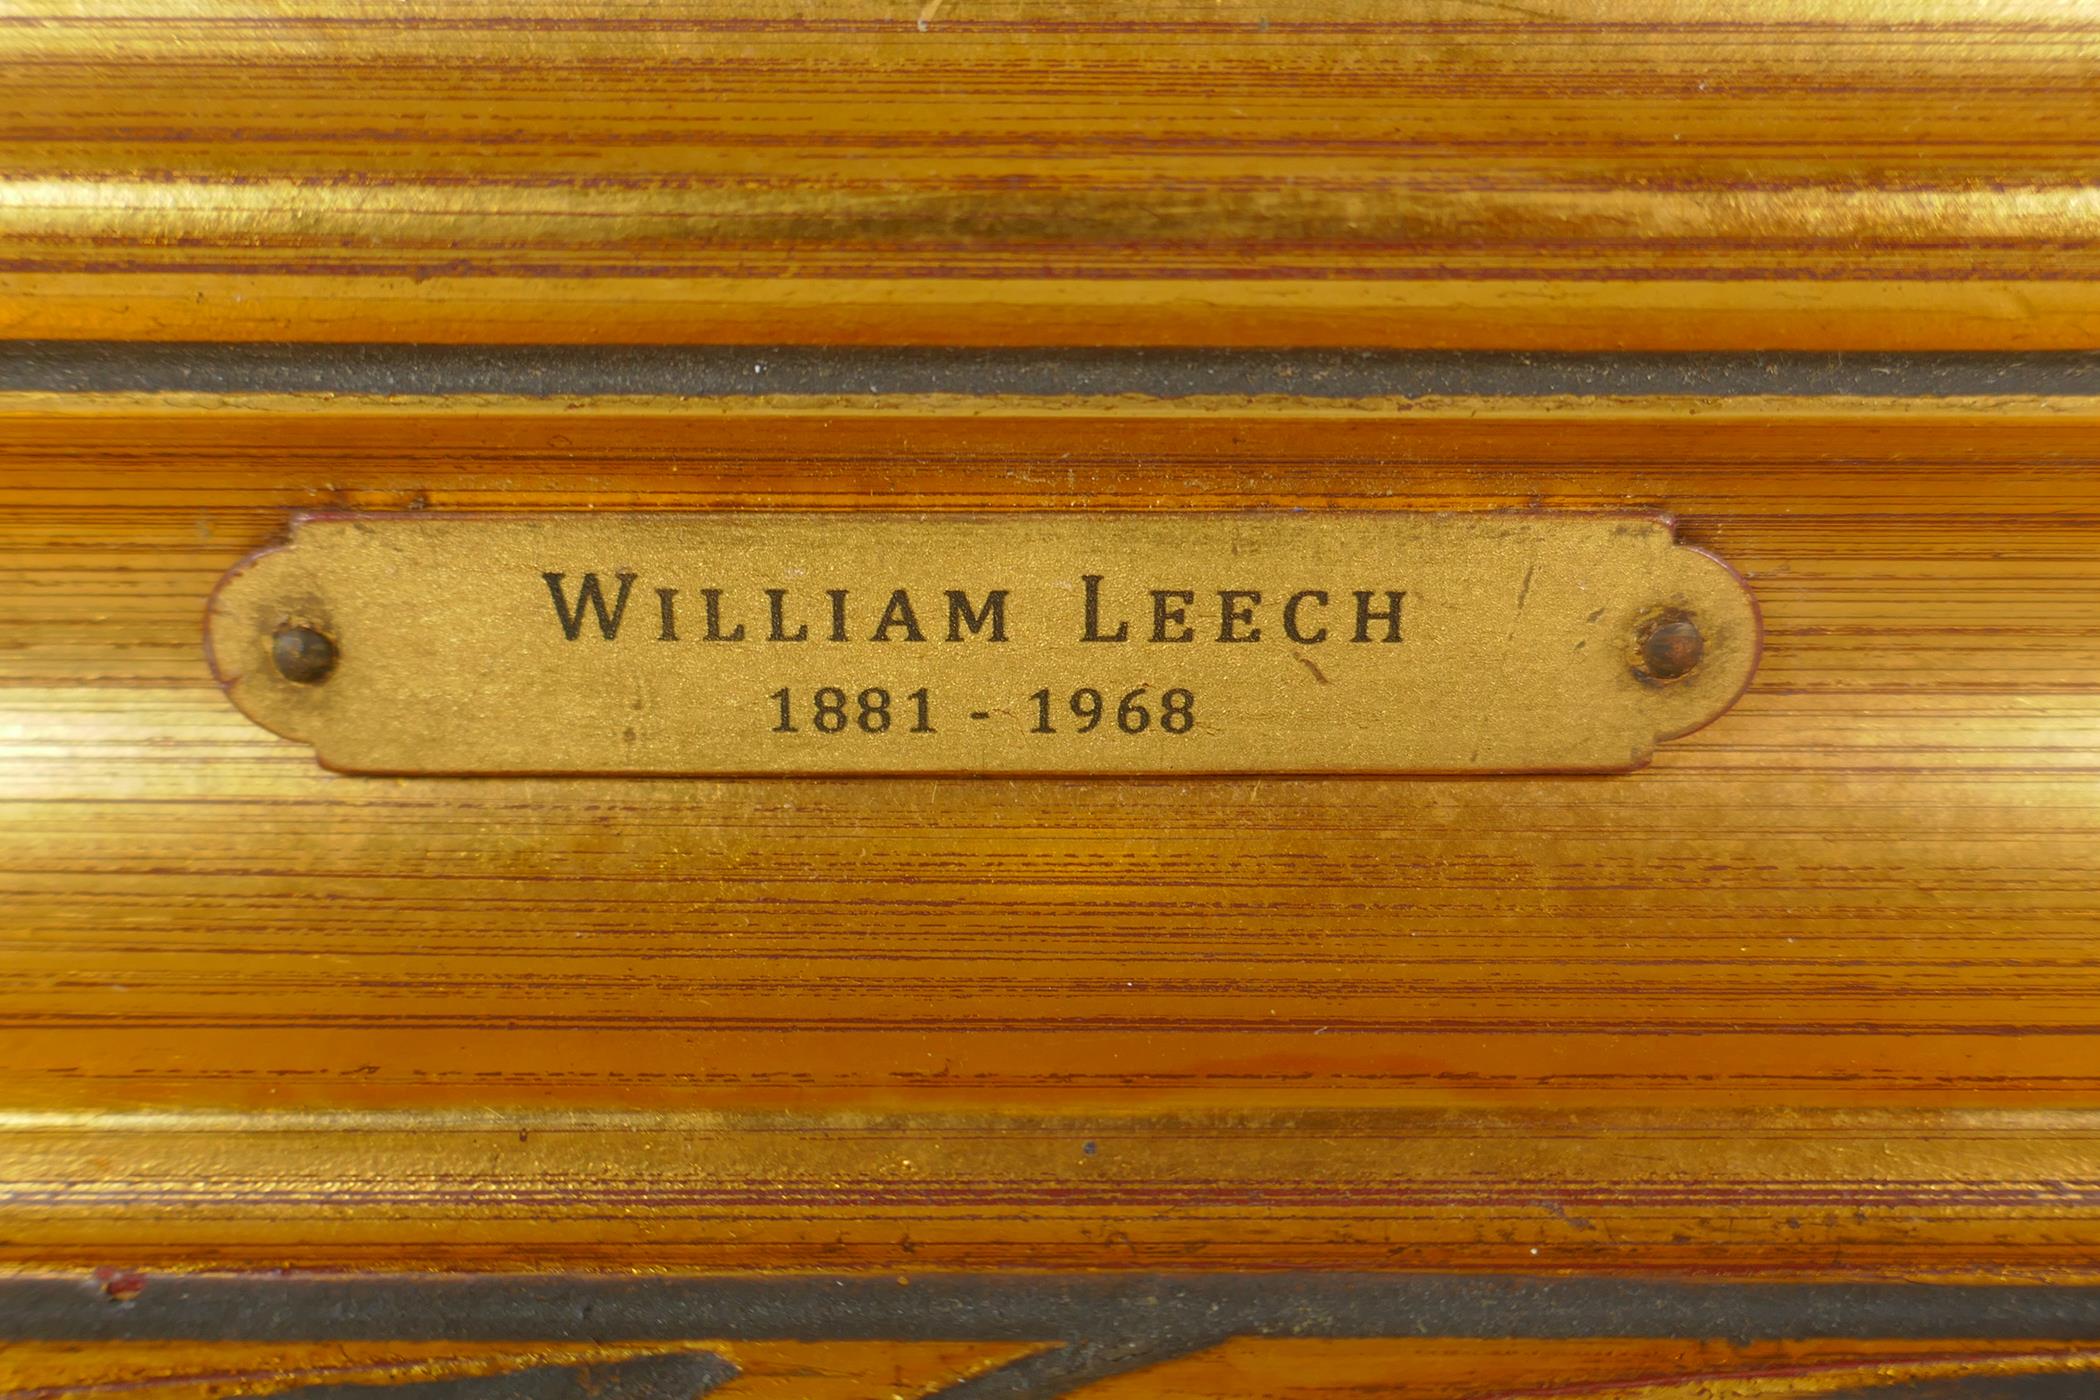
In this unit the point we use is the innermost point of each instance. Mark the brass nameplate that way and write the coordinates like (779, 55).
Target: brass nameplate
(795, 642)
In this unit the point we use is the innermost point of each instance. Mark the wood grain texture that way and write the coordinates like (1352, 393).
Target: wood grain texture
(1598, 1368)
(1573, 173)
(852, 1370)
(1436, 1368)
(1814, 995)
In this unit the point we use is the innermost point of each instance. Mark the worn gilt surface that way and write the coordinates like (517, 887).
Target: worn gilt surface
(1769, 1069)
(1808, 998)
(1574, 173)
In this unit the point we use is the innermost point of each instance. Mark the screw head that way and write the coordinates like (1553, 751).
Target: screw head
(1671, 648)
(303, 655)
